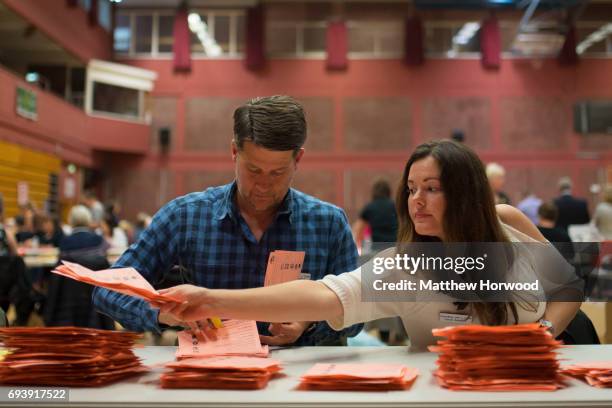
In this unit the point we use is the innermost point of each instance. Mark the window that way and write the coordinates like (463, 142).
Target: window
(214, 33)
(166, 28)
(117, 90)
(123, 34)
(104, 14)
(115, 99)
(143, 34)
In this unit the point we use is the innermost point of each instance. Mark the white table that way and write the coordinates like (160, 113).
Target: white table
(141, 392)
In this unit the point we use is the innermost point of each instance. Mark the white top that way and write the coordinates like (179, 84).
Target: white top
(419, 318)
(603, 220)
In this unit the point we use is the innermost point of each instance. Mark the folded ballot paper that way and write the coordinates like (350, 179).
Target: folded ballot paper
(235, 338)
(358, 377)
(497, 358)
(221, 372)
(597, 374)
(123, 280)
(284, 266)
(67, 356)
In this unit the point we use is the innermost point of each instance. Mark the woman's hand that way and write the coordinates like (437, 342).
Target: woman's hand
(195, 303)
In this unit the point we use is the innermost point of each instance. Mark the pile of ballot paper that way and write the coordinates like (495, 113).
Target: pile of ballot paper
(123, 280)
(358, 377)
(597, 374)
(497, 358)
(222, 372)
(67, 356)
(235, 338)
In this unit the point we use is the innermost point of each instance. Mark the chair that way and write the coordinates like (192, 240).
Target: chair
(69, 301)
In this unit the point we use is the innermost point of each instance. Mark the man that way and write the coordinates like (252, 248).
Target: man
(548, 214)
(221, 237)
(572, 210)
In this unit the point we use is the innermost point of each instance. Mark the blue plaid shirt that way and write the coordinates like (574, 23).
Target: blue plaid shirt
(205, 234)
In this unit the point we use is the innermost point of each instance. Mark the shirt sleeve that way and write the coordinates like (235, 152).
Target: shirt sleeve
(347, 287)
(155, 252)
(342, 257)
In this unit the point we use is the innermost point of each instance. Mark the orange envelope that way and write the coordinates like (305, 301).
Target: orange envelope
(123, 280)
(284, 266)
(236, 337)
(597, 373)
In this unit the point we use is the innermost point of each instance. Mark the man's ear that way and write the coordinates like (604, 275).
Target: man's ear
(234, 150)
(299, 155)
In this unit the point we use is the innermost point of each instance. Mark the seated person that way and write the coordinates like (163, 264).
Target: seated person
(83, 241)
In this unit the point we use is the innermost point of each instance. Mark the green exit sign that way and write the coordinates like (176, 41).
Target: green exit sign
(26, 103)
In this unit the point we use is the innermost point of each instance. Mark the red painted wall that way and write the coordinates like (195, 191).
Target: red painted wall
(519, 116)
(68, 27)
(64, 130)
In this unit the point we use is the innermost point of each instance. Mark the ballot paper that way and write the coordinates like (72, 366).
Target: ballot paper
(283, 266)
(358, 377)
(67, 356)
(597, 373)
(497, 358)
(123, 280)
(235, 338)
(220, 372)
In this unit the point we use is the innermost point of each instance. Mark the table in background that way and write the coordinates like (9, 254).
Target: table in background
(140, 392)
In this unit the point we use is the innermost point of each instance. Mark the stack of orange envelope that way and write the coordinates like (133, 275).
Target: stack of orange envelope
(358, 377)
(228, 372)
(497, 358)
(123, 280)
(67, 356)
(597, 374)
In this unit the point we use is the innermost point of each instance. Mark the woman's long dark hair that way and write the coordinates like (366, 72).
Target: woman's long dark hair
(466, 189)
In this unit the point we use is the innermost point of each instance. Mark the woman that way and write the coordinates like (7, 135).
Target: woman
(444, 196)
(603, 215)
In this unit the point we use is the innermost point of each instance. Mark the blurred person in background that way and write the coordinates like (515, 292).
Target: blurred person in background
(572, 210)
(95, 207)
(83, 241)
(50, 232)
(114, 236)
(547, 214)
(530, 205)
(496, 175)
(602, 218)
(13, 283)
(143, 220)
(379, 215)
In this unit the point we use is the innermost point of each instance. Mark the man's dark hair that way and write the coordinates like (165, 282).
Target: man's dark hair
(381, 189)
(548, 211)
(273, 122)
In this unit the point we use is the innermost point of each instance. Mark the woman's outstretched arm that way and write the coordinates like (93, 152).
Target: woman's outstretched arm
(295, 301)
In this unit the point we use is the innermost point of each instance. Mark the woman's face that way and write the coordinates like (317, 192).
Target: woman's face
(426, 201)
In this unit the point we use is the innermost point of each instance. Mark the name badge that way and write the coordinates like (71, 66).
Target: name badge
(304, 276)
(455, 317)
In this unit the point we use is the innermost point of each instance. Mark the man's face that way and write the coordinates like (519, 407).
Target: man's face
(263, 176)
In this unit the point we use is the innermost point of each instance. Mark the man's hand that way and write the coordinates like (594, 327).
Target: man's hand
(284, 333)
(168, 319)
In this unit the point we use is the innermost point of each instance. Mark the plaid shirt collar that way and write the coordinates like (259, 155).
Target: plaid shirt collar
(227, 207)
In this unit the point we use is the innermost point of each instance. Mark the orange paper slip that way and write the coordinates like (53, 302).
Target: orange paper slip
(235, 338)
(284, 266)
(363, 377)
(123, 280)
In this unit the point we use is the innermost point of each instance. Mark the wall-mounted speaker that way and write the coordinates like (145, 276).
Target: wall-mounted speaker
(164, 138)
